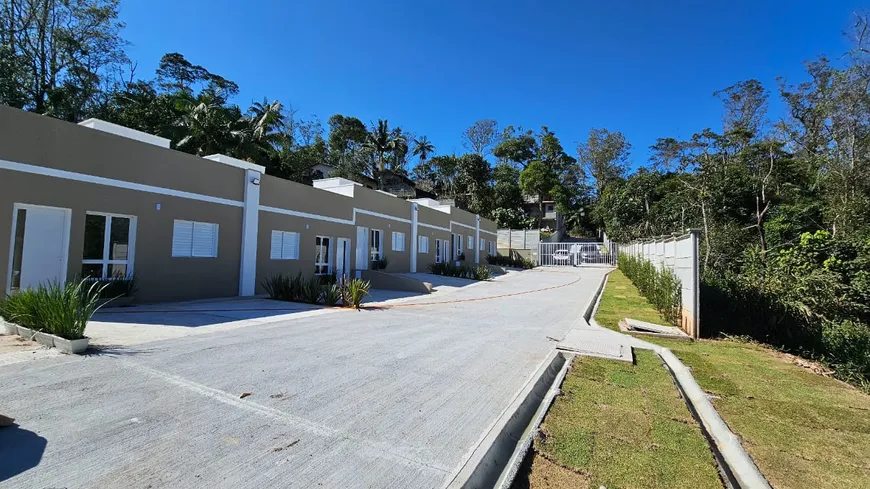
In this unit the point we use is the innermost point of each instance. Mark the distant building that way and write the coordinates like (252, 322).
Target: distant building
(551, 220)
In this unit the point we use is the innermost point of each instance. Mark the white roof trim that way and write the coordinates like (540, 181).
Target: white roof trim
(229, 160)
(125, 132)
(325, 183)
(433, 204)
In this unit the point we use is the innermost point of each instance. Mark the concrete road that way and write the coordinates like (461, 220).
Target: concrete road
(394, 397)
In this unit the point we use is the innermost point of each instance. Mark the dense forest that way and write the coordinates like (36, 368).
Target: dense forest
(783, 202)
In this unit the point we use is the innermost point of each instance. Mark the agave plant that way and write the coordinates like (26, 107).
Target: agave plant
(332, 294)
(278, 287)
(311, 290)
(355, 291)
(482, 272)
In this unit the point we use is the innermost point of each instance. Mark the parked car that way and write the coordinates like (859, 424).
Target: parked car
(561, 257)
(586, 253)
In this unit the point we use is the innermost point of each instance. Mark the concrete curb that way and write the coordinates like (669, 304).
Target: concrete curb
(510, 472)
(739, 469)
(493, 462)
(592, 306)
(737, 466)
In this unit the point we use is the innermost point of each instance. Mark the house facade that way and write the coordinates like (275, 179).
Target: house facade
(100, 200)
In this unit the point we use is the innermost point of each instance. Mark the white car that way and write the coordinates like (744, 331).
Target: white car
(561, 256)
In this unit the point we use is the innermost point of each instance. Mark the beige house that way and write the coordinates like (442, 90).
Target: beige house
(101, 200)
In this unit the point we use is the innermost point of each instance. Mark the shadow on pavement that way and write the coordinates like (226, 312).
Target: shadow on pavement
(195, 315)
(20, 451)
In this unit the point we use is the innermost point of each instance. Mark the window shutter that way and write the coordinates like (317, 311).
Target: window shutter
(290, 246)
(276, 252)
(182, 238)
(205, 240)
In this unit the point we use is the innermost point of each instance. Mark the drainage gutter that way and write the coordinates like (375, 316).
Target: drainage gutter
(738, 467)
(496, 459)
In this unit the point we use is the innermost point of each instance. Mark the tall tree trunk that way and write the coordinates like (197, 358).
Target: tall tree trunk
(706, 234)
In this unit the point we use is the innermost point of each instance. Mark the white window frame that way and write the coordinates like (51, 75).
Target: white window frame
(439, 251)
(398, 238)
(107, 239)
(214, 252)
(328, 262)
(482, 244)
(470, 242)
(284, 236)
(376, 247)
(423, 246)
(458, 245)
(492, 248)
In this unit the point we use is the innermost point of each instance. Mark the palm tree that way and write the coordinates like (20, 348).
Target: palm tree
(423, 148)
(209, 125)
(380, 141)
(265, 119)
(262, 131)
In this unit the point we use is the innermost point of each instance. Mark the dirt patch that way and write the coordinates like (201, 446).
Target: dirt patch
(12, 343)
(815, 367)
(537, 472)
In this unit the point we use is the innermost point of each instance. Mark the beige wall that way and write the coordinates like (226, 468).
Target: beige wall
(39, 140)
(308, 230)
(160, 277)
(56, 145)
(284, 194)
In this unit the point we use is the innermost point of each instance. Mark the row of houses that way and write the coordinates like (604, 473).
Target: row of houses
(101, 200)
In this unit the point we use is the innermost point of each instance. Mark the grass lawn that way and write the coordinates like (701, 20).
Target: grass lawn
(802, 429)
(621, 299)
(619, 425)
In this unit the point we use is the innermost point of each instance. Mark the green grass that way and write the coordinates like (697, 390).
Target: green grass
(802, 429)
(620, 300)
(623, 425)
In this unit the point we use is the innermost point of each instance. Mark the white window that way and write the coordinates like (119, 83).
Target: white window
(398, 241)
(482, 244)
(322, 263)
(470, 242)
(376, 244)
(458, 245)
(423, 247)
(285, 245)
(492, 248)
(109, 242)
(438, 248)
(194, 239)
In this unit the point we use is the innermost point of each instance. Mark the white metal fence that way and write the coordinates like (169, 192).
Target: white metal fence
(679, 253)
(576, 254)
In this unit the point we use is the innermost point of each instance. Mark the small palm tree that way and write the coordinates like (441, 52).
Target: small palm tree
(380, 141)
(423, 148)
(210, 126)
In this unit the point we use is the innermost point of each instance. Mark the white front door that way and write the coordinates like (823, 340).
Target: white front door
(362, 248)
(42, 256)
(342, 258)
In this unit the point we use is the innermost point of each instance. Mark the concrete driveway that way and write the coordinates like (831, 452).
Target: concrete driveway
(389, 397)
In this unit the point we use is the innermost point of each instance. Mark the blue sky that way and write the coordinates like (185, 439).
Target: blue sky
(646, 68)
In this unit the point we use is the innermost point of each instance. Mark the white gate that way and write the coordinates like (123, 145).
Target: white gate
(577, 254)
